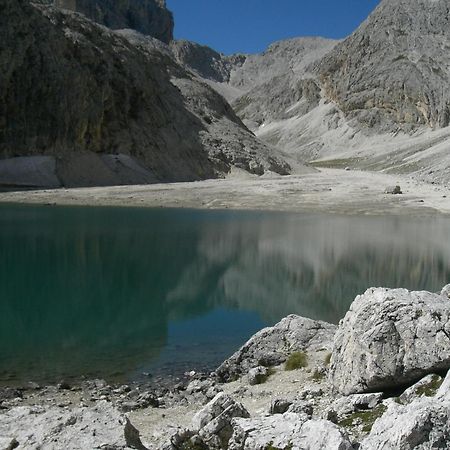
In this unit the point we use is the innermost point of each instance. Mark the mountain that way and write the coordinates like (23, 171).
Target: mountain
(378, 100)
(149, 17)
(83, 105)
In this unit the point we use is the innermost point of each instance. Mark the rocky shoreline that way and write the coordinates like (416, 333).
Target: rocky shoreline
(377, 381)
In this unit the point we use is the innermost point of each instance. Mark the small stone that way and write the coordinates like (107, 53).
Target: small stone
(279, 406)
(257, 375)
(394, 190)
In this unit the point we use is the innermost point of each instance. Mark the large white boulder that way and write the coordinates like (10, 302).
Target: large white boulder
(390, 338)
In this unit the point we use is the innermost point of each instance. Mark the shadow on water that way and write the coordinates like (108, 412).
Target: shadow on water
(115, 292)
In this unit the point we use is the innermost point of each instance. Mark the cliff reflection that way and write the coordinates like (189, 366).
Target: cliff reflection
(102, 292)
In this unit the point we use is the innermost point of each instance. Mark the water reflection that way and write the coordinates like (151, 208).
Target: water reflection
(110, 292)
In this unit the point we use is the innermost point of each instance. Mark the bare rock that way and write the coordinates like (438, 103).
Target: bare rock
(390, 338)
(394, 190)
(420, 425)
(287, 431)
(257, 375)
(272, 346)
(427, 387)
(343, 406)
(279, 406)
(146, 16)
(82, 428)
(213, 422)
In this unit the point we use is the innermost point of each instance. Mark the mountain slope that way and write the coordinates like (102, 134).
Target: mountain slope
(82, 105)
(378, 100)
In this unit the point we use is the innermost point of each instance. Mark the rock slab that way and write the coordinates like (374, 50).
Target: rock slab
(390, 338)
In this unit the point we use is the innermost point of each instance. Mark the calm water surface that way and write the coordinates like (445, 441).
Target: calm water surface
(114, 293)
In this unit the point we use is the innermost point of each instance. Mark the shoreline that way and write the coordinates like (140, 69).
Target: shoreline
(333, 191)
(298, 375)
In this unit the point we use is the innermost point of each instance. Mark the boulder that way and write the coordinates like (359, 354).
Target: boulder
(343, 406)
(279, 406)
(213, 423)
(272, 346)
(390, 338)
(420, 425)
(394, 190)
(258, 375)
(293, 431)
(427, 387)
(101, 426)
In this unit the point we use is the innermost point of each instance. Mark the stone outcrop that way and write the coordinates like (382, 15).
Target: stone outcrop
(150, 17)
(395, 66)
(285, 431)
(272, 346)
(109, 107)
(390, 338)
(101, 426)
(422, 424)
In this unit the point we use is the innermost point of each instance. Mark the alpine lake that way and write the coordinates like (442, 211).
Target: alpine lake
(120, 293)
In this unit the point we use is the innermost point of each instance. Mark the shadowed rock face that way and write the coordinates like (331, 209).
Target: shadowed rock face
(75, 91)
(149, 17)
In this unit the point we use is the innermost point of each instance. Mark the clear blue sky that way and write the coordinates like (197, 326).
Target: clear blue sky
(249, 26)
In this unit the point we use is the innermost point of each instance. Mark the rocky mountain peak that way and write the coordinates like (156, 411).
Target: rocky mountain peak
(150, 17)
(394, 69)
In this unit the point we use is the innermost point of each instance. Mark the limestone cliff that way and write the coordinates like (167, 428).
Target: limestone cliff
(150, 17)
(110, 107)
(393, 71)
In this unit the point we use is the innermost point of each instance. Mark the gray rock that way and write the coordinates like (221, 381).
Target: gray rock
(257, 375)
(146, 16)
(272, 346)
(422, 424)
(394, 190)
(343, 406)
(213, 422)
(7, 443)
(301, 407)
(289, 430)
(427, 386)
(389, 338)
(395, 66)
(446, 291)
(115, 107)
(279, 406)
(81, 428)
(323, 435)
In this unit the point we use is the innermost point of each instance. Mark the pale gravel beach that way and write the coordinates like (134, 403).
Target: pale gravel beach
(327, 190)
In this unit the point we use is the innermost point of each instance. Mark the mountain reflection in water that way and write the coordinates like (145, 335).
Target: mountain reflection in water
(113, 292)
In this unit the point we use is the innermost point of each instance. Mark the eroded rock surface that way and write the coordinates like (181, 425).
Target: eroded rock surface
(293, 431)
(390, 338)
(109, 108)
(272, 346)
(101, 426)
(420, 425)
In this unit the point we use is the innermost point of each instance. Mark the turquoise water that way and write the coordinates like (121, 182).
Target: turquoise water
(115, 293)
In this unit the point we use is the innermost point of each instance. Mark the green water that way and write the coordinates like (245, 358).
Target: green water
(114, 293)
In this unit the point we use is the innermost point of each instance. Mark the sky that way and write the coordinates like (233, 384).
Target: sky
(249, 26)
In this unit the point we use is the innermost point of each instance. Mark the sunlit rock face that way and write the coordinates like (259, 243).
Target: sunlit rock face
(393, 71)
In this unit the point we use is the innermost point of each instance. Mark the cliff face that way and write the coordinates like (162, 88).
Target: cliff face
(109, 107)
(394, 69)
(150, 17)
